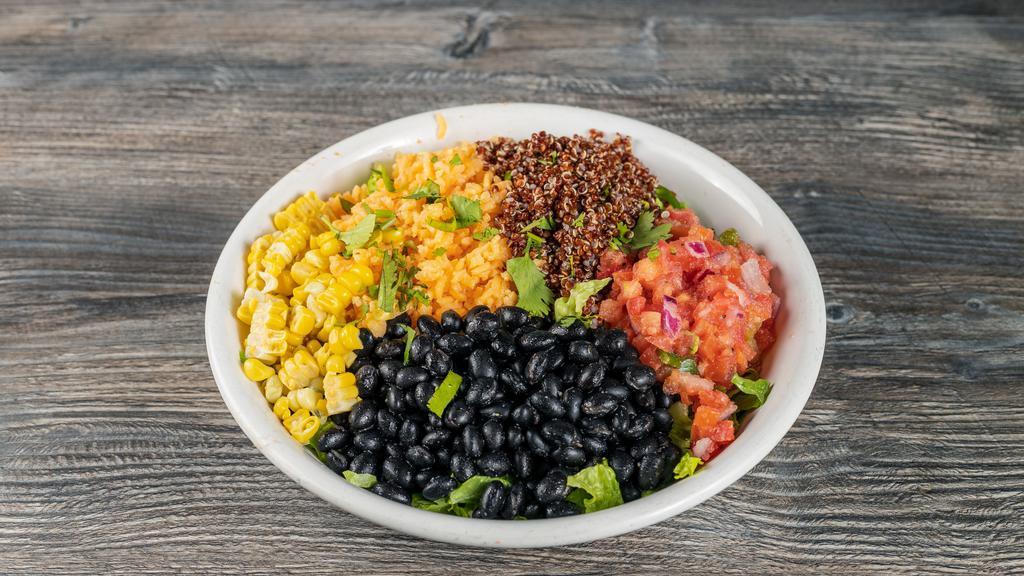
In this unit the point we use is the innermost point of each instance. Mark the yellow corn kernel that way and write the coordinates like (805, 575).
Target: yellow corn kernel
(272, 389)
(293, 339)
(308, 398)
(364, 273)
(244, 312)
(334, 299)
(317, 383)
(350, 337)
(321, 407)
(321, 356)
(306, 429)
(301, 272)
(317, 259)
(335, 363)
(303, 320)
(340, 392)
(266, 340)
(350, 281)
(328, 243)
(256, 370)
(325, 331)
(295, 420)
(313, 346)
(297, 371)
(285, 284)
(281, 409)
(392, 236)
(334, 343)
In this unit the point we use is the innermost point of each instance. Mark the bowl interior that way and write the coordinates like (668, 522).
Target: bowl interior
(720, 194)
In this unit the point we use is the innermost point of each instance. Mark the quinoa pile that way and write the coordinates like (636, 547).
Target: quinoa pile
(561, 178)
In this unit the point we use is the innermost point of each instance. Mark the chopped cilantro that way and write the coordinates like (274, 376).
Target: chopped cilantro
(440, 251)
(578, 222)
(668, 197)
(467, 212)
(455, 161)
(387, 289)
(507, 176)
(486, 234)
(397, 283)
(444, 393)
(532, 241)
(442, 226)
(653, 254)
(359, 235)
(433, 159)
(241, 356)
(410, 334)
(542, 223)
(346, 205)
(550, 159)
(645, 233)
(430, 192)
(379, 174)
(534, 295)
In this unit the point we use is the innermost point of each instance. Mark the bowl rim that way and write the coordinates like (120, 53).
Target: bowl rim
(303, 468)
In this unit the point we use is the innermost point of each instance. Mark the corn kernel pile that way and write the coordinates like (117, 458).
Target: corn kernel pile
(299, 294)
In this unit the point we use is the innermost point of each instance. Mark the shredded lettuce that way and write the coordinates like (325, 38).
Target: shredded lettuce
(681, 425)
(757, 390)
(569, 308)
(461, 501)
(362, 480)
(596, 487)
(444, 394)
(687, 465)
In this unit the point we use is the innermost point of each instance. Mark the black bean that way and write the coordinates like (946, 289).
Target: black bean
(363, 416)
(434, 421)
(451, 321)
(533, 510)
(397, 471)
(428, 326)
(517, 496)
(503, 345)
(337, 461)
(410, 376)
(419, 457)
(365, 463)
(437, 438)
(472, 441)
(368, 340)
(512, 317)
(595, 446)
(389, 349)
(483, 327)
(422, 477)
(493, 500)
(536, 340)
(514, 436)
(367, 380)
(388, 423)
(556, 359)
(552, 487)
(570, 456)
(395, 329)
(592, 375)
(622, 363)
(494, 464)
(573, 401)
(494, 434)
(537, 444)
(513, 381)
(640, 377)
(333, 439)
(339, 419)
(547, 405)
(388, 370)
(649, 471)
(652, 444)
(599, 404)
(369, 440)
(411, 399)
(409, 432)
(578, 330)
(559, 331)
(662, 400)
(437, 362)
(474, 312)
(620, 420)
(482, 365)
(536, 367)
(639, 426)
(623, 464)
(561, 433)
(618, 391)
(463, 467)
(391, 492)
(552, 385)
(597, 427)
(525, 415)
(480, 392)
(582, 351)
(630, 493)
(497, 411)
(418, 350)
(422, 393)
(439, 486)
(392, 450)
(662, 420)
(457, 415)
(671, 456)
(614, 342)
(395, 399)
(523, 463)
(644, 400)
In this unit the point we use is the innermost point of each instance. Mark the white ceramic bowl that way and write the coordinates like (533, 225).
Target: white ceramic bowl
(719, 193)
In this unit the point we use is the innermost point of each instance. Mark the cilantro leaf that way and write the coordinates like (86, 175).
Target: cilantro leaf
(362, 480)
(569, 308)
(600, 486)
(645, 233)
(444, 393)
(410, 334)
(534, 295)
(440, 251)
(578, 221)
(430, 192)
(387, 288)
(360, 234)
(542, 223)
(687, 466)
(668, 197)
(467, 212)
(378, 174)
(455, 161)
(486, 234)
(653, 254)
(442, 225)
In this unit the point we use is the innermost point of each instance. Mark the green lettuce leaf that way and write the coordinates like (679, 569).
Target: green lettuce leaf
(600, 484)
(758, 389)
(362, 480)
(681, 425)
(569, 308)
(687, 465)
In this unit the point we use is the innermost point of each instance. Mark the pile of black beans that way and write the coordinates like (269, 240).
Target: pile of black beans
(537, 403)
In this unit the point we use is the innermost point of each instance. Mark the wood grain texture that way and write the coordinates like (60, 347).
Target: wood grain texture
(133, 135)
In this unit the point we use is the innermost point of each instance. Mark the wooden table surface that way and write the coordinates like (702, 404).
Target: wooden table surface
(134, 135)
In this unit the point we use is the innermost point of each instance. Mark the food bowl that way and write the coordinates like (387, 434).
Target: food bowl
(718, 192)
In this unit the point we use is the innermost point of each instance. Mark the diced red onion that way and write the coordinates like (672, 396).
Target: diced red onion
(729, 411)
(721, 259)
(697, 249)
(702, 448)
(753, 278)
(740, 294)
(671, 322)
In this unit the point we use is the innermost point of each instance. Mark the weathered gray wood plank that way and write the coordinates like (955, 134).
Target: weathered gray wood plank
(133, 135)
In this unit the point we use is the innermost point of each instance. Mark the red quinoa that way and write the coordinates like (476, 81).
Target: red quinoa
(562, 177)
